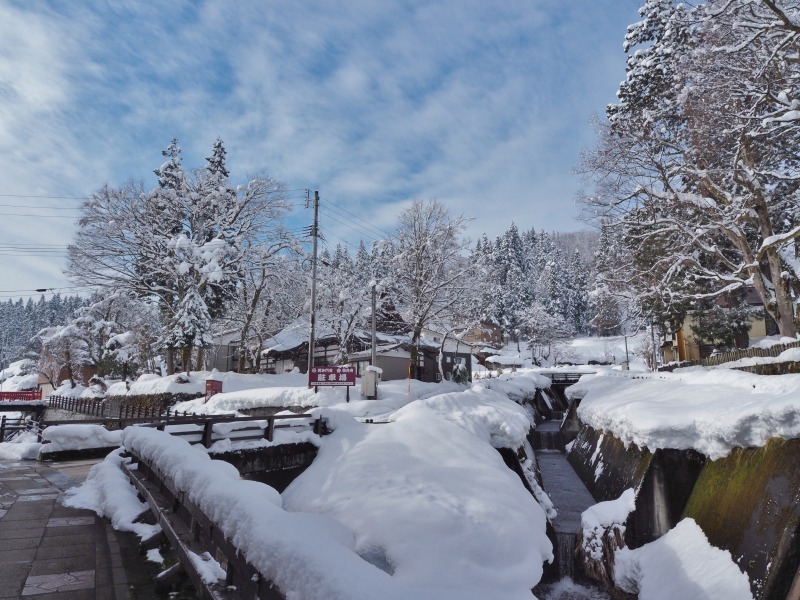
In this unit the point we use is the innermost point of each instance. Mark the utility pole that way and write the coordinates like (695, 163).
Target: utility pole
(374, 360)
(314, 234)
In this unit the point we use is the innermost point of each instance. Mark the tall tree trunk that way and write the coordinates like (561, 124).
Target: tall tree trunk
(414, 370)
(201, 358)
(186, 358)
(784, 316)
(170, 360)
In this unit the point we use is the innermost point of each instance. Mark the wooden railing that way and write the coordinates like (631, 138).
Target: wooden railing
(191, 532)
(21, 396)
(203, 430)
(201, 427)
(726, 357)
(11, 428)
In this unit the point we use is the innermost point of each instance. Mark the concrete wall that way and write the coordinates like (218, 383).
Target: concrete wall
(749, 503)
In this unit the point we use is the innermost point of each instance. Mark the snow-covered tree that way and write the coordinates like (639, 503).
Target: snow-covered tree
(190, 327)
(192, 234)
(697, 165)
(429, 268)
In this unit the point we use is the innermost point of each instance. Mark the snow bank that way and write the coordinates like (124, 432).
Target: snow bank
(517, 386)
(603, 526)
(681, 564)
(292, 390)
(790, 355)
(429, 501)
(307, 556)
(484, 413)
(108, 492)
(66, 390)
(23, 447)
(711, 411)
(79, 437)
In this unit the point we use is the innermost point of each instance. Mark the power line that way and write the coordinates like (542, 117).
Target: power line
(374, 227)
(45, 197)
(38, 207)
(363, 232)
(40, 216)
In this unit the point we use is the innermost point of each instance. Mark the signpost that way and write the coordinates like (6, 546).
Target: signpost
(333, 376)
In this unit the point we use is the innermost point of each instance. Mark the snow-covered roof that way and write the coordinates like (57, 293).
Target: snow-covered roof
(506, 360)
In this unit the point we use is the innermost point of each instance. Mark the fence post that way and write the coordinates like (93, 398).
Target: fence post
(208, 430)
(3, 428)
(270, 428)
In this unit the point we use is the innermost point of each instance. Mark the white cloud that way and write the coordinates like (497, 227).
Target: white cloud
(481, 105)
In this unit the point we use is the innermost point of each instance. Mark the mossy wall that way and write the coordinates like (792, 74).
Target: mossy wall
(663, 480)
(749, 503)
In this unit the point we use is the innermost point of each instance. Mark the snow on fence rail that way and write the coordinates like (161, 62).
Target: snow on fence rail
(734, 355)
(23, 396)
(200, 429)
(194, 536)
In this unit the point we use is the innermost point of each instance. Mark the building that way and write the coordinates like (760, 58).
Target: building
(682, 344)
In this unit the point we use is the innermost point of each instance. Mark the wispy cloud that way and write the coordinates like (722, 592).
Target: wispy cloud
(481, 105)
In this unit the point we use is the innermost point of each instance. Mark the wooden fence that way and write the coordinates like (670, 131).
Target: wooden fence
(726, 357)
(11, 428)
(86, 406)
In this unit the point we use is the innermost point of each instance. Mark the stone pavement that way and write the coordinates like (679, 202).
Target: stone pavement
(49, 551)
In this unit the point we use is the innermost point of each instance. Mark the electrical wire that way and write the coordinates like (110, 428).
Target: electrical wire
(374, 227)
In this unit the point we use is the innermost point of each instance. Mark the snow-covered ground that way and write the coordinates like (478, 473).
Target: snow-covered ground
(422, 506)
(419, 507)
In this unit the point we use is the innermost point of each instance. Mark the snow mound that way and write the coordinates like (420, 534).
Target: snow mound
(78, 437)
(487, 414)
(680, 564)
(711, 411)
(108, 492)
(429, 502)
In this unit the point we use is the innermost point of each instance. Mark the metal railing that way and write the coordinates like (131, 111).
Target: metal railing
(21, 396)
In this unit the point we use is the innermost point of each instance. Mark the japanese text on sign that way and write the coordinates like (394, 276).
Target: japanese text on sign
(339, 375)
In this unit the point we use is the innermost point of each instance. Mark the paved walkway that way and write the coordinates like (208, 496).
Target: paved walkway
(49, 551)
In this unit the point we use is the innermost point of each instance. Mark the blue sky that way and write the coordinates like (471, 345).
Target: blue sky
(482, 105)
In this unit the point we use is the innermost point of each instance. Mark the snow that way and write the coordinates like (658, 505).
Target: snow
(209, 570)
(23, 447)
(447, 495)
(412, 512)
(596, 519)
(14, 378)
(291, 389)
(108, 492)
(78, 437)
(770, 341)
(711, 411)
(487, 414)
(680, 564)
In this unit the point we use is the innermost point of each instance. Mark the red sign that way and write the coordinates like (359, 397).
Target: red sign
(339, 375)
(213, 387)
